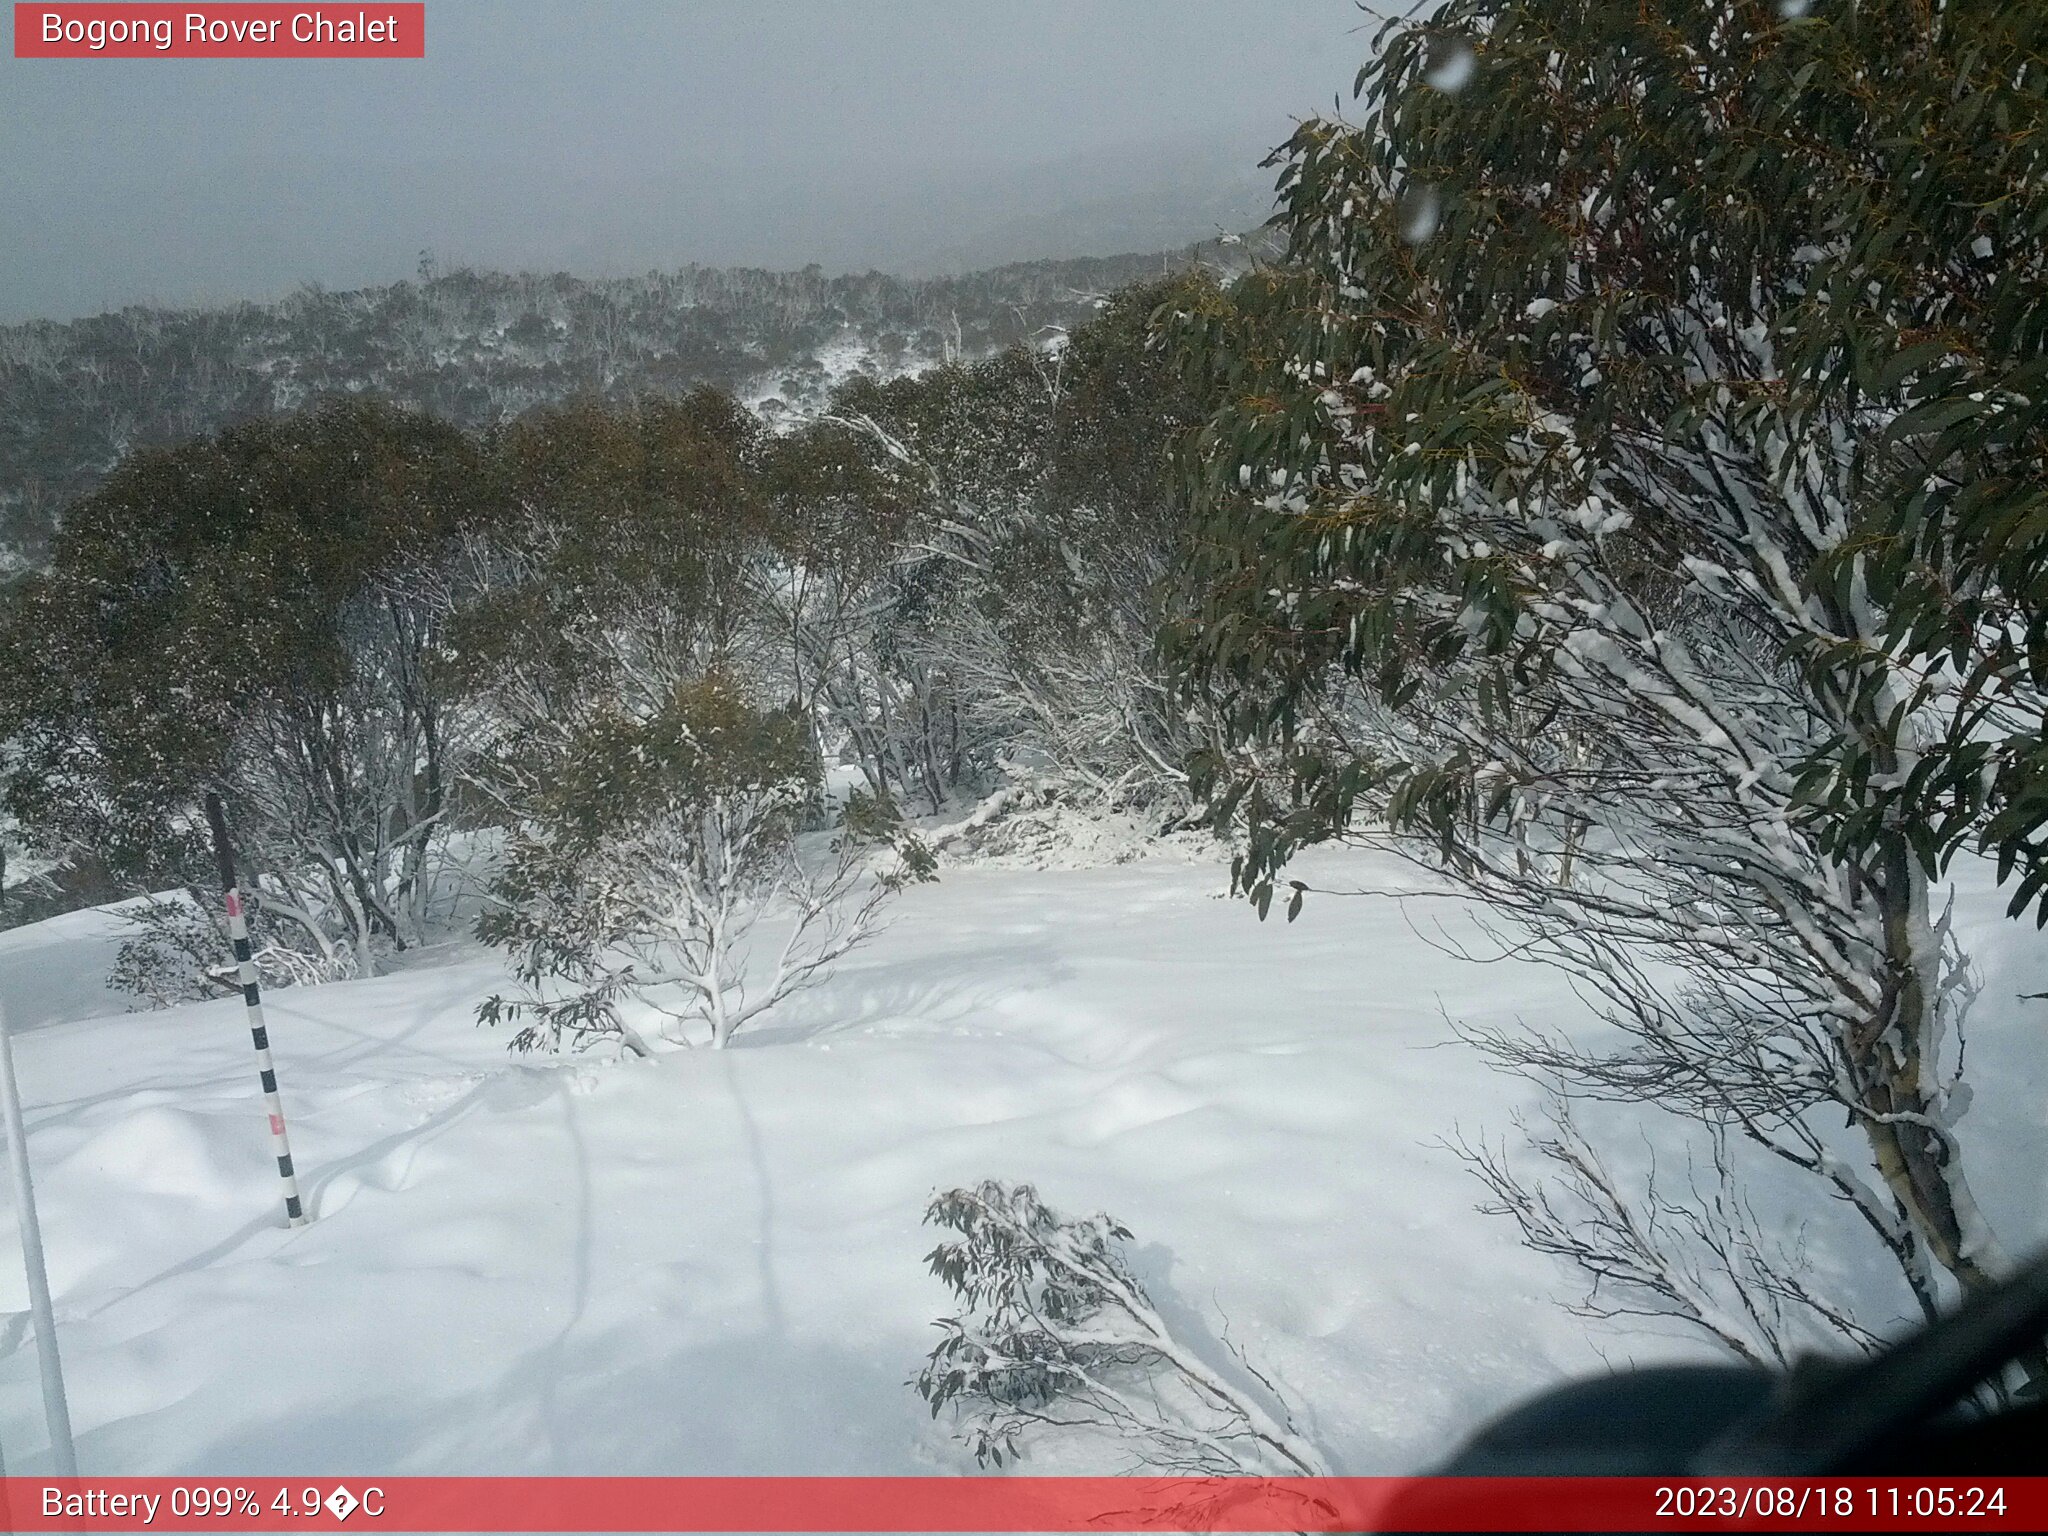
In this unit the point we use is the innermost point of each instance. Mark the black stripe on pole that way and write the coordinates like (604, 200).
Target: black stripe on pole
(223, 851)
(238, 935)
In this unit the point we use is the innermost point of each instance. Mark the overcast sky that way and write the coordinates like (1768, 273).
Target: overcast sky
(606, 136)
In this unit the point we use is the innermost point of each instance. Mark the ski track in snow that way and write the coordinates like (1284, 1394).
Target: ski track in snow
(714, 1263)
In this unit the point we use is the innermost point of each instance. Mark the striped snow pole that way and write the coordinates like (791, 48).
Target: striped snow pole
(252, 995)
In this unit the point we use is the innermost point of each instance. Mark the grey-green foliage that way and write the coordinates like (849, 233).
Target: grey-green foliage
(1055, 1332)
(1555, 524)
(638, 869)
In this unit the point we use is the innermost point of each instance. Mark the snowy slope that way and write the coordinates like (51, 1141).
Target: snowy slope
(713, 1263)
(55, 971)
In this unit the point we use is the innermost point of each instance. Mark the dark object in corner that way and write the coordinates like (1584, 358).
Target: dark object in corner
(1904, 1412)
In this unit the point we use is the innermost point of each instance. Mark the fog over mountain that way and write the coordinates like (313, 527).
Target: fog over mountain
(623, 135)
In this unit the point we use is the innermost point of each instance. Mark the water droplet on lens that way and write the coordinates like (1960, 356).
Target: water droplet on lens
(1450, 65)
(1417, 213)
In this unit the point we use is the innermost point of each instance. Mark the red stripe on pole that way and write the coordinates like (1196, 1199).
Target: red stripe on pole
(1004, 1504)
(224, 857)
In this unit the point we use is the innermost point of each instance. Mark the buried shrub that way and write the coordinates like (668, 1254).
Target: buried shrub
(1055, 1333)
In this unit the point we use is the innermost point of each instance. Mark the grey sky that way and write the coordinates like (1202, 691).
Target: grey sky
(618, 135)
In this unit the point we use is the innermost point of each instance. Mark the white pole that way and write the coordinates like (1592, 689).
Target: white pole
(55, 1410)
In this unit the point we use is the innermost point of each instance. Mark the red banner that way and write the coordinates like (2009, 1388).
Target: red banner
(1001, 1504)
(372, 30)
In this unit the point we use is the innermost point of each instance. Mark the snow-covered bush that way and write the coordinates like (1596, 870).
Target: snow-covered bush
(1055, 1333)
(646, 860)
(1683, 1244)
(179, 952)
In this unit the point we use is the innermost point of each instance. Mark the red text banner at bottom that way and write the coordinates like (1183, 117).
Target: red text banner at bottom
(1021, 1503)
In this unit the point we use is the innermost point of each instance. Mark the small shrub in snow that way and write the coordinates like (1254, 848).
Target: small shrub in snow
(648, 858)
(1056, 1333)
(178, 952)
(876, 819)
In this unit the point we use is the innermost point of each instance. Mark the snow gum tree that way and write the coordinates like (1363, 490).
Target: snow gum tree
(975, 567)
(644, 863)
(623, 563)
(257, 614)
(624, 568)
(1542, 536)
(856, 595)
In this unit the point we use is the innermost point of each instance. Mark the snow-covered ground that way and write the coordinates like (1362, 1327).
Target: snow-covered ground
(714, 1263)
(793, 393)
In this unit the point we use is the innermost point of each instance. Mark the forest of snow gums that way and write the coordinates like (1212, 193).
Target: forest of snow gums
(1598, 530)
